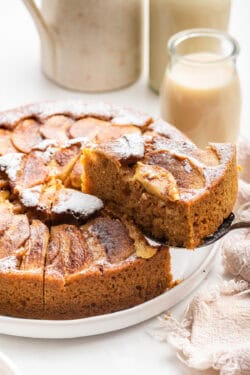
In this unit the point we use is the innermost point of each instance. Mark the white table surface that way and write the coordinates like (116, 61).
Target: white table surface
(129, 351)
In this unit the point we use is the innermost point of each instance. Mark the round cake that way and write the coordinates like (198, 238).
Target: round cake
(80, 186)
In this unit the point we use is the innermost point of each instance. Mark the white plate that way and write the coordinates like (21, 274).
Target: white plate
(189, 266)
(6, 366)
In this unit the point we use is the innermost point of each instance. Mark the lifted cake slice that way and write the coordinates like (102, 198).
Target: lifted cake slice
(172, 189)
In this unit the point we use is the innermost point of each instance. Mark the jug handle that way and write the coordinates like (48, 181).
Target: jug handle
(38, 19)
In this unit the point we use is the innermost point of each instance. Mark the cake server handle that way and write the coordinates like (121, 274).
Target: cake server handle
(240, 225)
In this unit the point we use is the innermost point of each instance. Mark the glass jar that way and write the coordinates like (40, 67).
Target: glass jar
(168, 17)
(200, 94)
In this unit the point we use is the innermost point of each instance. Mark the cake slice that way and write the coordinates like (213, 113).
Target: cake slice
(172, 189)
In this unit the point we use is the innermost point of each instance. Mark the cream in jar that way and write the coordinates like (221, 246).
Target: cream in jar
(201, 90)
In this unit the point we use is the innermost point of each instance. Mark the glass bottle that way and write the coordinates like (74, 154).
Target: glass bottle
(168, 17)
(200, 94)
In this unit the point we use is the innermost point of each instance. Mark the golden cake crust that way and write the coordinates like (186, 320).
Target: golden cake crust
(68, 263)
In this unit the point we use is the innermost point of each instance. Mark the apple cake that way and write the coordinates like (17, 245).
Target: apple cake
(80, 186)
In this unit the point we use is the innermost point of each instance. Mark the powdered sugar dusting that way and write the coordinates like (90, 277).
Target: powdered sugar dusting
(127, 117)
(9, 263)
(187, 166)
(128, 148)
(46, 155)
(79, 140)
(42, 146)
(30, 197)
(188, 195)
(11, 164)
(76, 203)
(213, 173)
(193, 161)
(168, 131)
(75, 109)
(224, 151)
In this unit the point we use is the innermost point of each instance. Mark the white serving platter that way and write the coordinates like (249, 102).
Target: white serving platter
(187, 265)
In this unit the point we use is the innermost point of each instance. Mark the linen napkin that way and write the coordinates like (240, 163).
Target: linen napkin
(215, 329)
(243, 156)
(236, 254)
(236, 245)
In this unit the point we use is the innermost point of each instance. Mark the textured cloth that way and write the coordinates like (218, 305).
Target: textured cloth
(243, 156)
(215, 330)
(236, 245)
(236, 254)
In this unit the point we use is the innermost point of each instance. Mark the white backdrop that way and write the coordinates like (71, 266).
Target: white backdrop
(129, 351)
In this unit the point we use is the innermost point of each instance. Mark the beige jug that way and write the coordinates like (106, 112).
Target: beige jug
(90, 45)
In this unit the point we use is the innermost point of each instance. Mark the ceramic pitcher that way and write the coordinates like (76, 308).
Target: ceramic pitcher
(90, 45)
